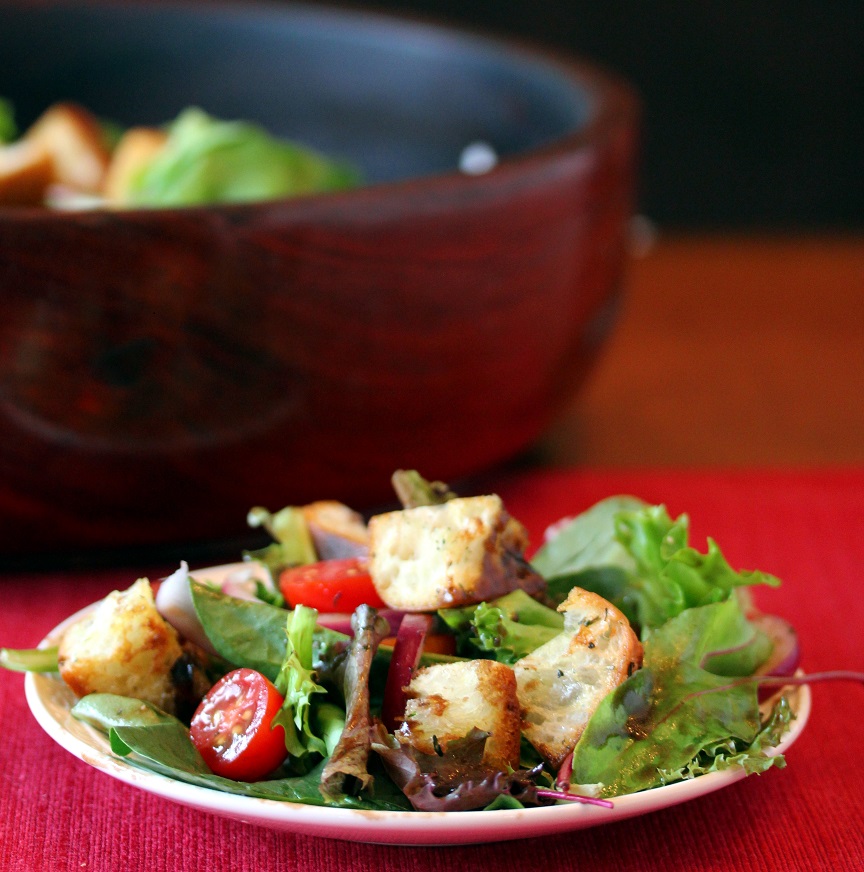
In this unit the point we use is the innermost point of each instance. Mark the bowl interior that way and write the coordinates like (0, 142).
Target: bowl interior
(399, 98)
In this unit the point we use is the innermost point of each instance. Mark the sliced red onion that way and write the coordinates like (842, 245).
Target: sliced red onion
(337, 531)
(406, 655)
(785, 657)
(574, 797)
(562, 779)
(174, 603)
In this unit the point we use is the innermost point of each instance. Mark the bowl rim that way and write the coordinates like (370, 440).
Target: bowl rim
(613, 103)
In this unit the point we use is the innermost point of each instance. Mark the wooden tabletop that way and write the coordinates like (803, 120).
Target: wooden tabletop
(729, 351)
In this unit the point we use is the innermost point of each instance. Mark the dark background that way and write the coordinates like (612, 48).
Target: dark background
(753, 109)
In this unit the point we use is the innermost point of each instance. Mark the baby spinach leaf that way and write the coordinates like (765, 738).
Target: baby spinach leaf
(106, 710)
(165, 746)
(29, 659)
(158, 742)
(587, 541)
(242, 631)
(249, 633)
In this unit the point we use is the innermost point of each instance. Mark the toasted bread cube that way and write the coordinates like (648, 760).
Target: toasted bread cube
(76, 143)
(561, 683)
(464, 551)
(446, 701)
(26, 171)
(136, 149)
(336, 530)
(123, 646)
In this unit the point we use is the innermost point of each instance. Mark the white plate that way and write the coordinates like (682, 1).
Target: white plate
(50, 701)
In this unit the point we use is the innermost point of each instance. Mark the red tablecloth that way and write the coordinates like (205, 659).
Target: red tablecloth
(56, 813)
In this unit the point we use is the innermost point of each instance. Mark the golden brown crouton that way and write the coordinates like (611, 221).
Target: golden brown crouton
(337, 530)
(467, 550)
(123, 646)
(561, 683)
(26, 170)
(446, 701)
(74, 139)
(136, 149)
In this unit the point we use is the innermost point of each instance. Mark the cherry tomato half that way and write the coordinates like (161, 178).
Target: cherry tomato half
(330, 586)
(232, 726)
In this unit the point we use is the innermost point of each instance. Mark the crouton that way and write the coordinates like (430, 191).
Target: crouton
(123, 646)
(561, 683)
(446, 701)
(464, 551)
(73, 138)
(25, 172)
(336, 530)
(135, 150)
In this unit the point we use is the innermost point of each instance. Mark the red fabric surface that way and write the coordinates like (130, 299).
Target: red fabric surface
(56, 813)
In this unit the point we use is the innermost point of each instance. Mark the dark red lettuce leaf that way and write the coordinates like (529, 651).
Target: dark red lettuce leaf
(455, 781)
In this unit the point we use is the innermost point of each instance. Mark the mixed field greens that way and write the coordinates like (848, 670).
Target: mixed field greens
(692, 708)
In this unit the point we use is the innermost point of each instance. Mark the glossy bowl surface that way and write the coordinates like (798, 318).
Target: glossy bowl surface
(162, 371)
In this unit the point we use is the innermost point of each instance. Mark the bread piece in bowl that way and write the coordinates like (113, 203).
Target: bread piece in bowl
(26, 170)
(135, 150)
(74, 139)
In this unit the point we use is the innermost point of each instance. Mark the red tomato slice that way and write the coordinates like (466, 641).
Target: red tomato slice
(330, 586)
(232, 726)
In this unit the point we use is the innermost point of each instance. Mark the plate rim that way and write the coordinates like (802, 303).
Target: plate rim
(362, 825)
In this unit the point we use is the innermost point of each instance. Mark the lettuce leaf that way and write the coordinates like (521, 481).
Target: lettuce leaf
(674, 717)
(292, 545)
(249, 633)
(29, 659)
(506, 629)
(639, 558)
(728, 754)
(152, 740)
(413, 490)
(8, 128)
(297, 683)
(455, 780)
(587, 541)
(207, 160)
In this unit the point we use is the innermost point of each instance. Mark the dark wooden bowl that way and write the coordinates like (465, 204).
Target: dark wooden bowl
(163, 371)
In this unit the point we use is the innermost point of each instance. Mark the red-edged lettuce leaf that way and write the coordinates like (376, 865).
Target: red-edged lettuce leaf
(673, 716)
(457, 780)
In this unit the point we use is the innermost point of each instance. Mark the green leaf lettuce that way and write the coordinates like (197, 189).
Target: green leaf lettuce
(673, 716)
(639, 558)
(207, 160)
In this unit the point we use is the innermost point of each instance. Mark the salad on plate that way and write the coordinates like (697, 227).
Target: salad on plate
(421, 660)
